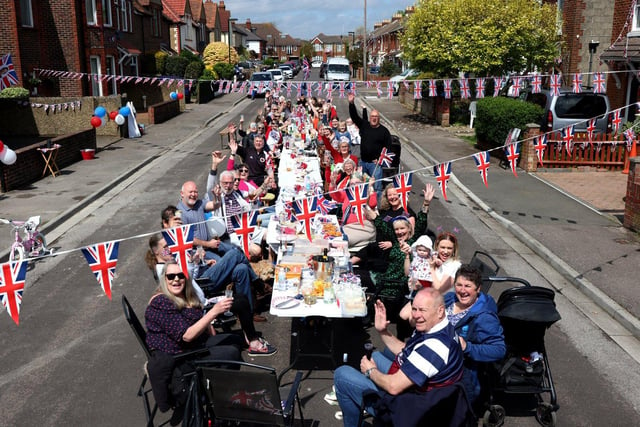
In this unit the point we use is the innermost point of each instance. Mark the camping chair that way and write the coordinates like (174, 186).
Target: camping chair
(488, 267)
(141, 335)
(251, 394)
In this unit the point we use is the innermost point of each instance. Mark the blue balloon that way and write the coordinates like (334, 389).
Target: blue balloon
(125, 111)
(100, 111)
(173, 95)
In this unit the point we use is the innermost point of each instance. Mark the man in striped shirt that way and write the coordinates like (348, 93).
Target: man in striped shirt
(431, 358)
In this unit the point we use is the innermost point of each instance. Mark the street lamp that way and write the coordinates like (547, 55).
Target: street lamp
(364, 44)
(593, 46)
(353, 37)
(229, 40)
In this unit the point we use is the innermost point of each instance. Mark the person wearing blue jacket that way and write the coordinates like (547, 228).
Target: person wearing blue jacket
(474, 317)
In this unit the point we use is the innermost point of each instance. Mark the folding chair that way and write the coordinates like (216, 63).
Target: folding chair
(488, 267)
(251, 394)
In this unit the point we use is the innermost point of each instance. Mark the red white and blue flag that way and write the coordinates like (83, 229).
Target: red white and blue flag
(180, 242)
(342, 90)
(304, 210)
(576, 83)
(591, 127)
(324, 204)
(402, 184)
(540, 144)
(482, 163)
(357, 195)
(516, 87)
(536, 84)
(480, 88)
(599, 83)
(447, 88)
(390, 90)
(353, 88)
(497, 85)
(306, 68)
(8, 75)
(567, 138)
(386, 158)
(442, 173)
(616, 121)
(379, 88)
(512, 151)
(12, 282)
(244, 226)
(556, 84)
(465, 93)
(102, 259)
(433, 90)
(629, 136)
(417, 89)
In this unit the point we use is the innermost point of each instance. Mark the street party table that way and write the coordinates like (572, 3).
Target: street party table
(297, 169)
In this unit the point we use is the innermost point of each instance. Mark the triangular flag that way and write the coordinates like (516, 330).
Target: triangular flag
(12, 280)
(180, 242)
(102, 259)
(402, 184)
(442, 173)
(482, 163)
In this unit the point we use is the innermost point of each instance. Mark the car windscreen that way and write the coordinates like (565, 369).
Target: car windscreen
(261, 77)
(580, 106)
(338, 68)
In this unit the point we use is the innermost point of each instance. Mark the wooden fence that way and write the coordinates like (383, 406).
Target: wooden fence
(603, 151)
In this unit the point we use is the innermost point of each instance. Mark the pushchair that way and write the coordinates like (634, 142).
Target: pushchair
(525, 312)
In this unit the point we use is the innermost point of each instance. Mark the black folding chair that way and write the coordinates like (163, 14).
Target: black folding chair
(251, 394)
(488, 267)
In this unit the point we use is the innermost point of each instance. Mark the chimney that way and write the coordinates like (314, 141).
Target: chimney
(396, 17)
(221, 5)
(248, 24)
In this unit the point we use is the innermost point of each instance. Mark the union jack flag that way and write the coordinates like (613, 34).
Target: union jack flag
(180, 242)
(319, 89)
(482, 163)
(12, 282)
(402, 184)
(576, 83)
(497, 85)
(299, 87)
(289, 89)
(433, 89)
(309, 90)
(357, 196)
(591, 127)
(536, 84)
(480, 88)
(516, 87)
(447, 88)
(304, 211)
(379, 88)
(353, 88)
(442, 173)
(102, 259)
(324, 204)
(8, 75)
(342, 90)
(556, 84)
(512, 136)
(306, 68)
(244, 226)
(390, 90)
(599, 83)
(629, 136)
(386, 158)
(540, 144)
(465, 93)
(567, 138)
(512, 151)
(417, 89)
(616, 121)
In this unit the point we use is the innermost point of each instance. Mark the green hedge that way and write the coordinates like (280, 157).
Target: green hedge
(496, 116)
(176, 66)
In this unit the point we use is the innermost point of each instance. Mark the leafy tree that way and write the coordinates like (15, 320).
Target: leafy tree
(485, 37)
(388, 68)
(269, 62)
(176, 65)
(224, 70)
(193, 70)
(355, 57)
(306, 50)
(161, 59)
(218, 52)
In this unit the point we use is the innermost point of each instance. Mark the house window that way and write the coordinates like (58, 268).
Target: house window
(125, 15)
(338, 48)
(636, 19)
(92, 14)
(26, 13)
(111, 72)
(96, 74)
(317, 47)
(107, 19)
(156, 22)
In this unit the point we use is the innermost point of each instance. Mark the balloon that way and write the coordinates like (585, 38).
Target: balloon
(104, 121)
(100, 111)
(173, 95)
(125, 111)
(1, 147)
(113, 114)
(217, 226)
(96, 121)
(180, 95)
(119, 119)
(8, 156)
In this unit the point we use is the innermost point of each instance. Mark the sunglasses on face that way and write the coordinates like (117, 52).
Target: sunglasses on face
(244, 170)
(172, 276)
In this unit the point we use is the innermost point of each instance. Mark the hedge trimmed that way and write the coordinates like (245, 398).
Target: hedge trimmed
(495, 117)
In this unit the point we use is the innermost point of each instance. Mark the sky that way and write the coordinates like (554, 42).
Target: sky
(305, 19)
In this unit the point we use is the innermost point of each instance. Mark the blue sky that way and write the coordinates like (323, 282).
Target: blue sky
(306, 18)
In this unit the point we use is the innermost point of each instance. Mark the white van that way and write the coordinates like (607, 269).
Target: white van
(338, 69)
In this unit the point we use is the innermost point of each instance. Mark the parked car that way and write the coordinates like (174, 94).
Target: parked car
(295, 66)
(374, 69)
(571, 109)
(256, 79)
(287, 71)
(316, 64)
(277, 74)
(323, 69)
(406, 74)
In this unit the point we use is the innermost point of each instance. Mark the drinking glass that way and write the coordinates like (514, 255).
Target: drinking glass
(228, 293)
(368, 349)
(413, 285)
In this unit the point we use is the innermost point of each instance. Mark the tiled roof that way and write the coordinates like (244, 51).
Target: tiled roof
(391, 27)
(626, 49)
(196, 9)
(170, 13)
(210, 10)
(224, 19)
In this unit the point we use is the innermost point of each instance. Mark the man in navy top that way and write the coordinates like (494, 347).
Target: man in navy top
(431, 358)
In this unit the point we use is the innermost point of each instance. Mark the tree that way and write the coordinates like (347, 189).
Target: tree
(485, 37)
(218, 52)
(306, 50)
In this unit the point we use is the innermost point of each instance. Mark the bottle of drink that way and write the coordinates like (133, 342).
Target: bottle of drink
(282, 280)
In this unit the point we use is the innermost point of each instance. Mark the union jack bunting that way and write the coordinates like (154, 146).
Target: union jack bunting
(497, 85)
(536, 84)
(309, 90)
(244, 226)
(516, 87)
(540, 144)
(324, 204)
(417, 89)
(379, 88)
(447, 89)
(102, 259)
(386, 158)
(629, 136)
(12, 281)
(433, 89)
(465, 93)
(616, 121)
(289, 89)
(480, 88)
(591, 127)
(357, 195)
(319, 89)
(402, 184)
(512, 151)
(599, 83)
(342, 90)
(512, 136)
(576, 83)
(567, 138)
(353, 88)
(180, 242)
(482, 164)
(304, 210)
(556, 84)
(442, 173)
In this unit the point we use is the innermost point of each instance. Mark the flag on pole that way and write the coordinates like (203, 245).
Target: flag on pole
(442, 173)
(12, 281)
(482, 163)
(8, 75)
(102, 259)
(386, 158)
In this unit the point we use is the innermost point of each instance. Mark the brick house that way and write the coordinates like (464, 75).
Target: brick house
(212, 21)
(277, 45)
(254, 43)
(325, 46)
(383, 43)
(187, 29)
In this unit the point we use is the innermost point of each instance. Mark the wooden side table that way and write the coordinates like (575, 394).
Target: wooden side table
(49, 154)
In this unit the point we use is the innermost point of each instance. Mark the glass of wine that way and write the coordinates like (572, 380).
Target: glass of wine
(228, 293)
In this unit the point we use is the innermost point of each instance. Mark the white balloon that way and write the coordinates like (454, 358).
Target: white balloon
(8, 156)
(103, 121)
(119, 119)
(217, 226)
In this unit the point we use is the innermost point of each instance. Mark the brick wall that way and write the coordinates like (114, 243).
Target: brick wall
(30, 163)
(9, 17)
(163, 111)
(528, 157)
(632, 200)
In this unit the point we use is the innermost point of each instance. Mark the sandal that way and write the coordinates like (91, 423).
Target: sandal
(263, 348)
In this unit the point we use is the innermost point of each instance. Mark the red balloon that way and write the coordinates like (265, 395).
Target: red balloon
(1, 146)
(96, 121)
(180, 95)
(113, 114)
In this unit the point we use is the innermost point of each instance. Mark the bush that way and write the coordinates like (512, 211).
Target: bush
(194, 70)
(189, 56)
(388, 68)
(497, 116)
(14, 92)
(175, 66)
(161, 59)
(218, 52)
(224, 70)
(208, 74)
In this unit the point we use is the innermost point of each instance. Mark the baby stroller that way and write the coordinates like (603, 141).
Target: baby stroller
(525, 312)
